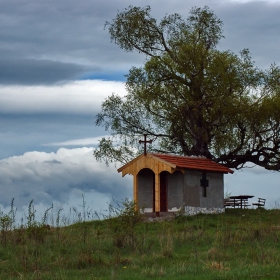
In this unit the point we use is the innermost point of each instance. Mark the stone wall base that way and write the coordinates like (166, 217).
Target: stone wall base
(190, 210)
(187, 211)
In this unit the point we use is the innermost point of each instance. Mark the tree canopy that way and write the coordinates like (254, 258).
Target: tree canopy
(190, 97)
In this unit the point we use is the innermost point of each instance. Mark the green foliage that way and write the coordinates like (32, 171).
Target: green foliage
(122, 220)
(190, 97)
(7, 222)
(37, 231)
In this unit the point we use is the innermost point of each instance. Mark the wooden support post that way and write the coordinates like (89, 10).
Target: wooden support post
(157, 192)
(135, 190)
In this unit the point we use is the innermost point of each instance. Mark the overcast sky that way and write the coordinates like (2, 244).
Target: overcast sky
(58, 64)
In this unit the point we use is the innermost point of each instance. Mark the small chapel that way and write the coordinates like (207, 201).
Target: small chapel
(169, 183)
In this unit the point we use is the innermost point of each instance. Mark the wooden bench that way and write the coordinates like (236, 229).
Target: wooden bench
(243, 200)
(260, 203)
(245, 203)
(231, 203)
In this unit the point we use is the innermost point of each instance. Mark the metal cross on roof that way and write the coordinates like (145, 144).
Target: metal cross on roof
(145, 141)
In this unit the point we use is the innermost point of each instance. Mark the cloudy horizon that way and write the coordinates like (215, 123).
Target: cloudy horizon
(58, 65)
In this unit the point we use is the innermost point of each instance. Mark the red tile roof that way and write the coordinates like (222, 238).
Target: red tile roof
(198, 163)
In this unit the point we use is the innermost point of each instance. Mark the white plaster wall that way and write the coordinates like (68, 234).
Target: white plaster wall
(183, 190)
(145, 188)
(175, 183)
(192, 188)
(214, 192)
(193, 192)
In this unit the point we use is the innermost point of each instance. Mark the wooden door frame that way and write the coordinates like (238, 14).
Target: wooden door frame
(154, 194)
(162, 176)
(164, 191)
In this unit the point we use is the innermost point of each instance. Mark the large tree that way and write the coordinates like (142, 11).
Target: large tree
(190, 97)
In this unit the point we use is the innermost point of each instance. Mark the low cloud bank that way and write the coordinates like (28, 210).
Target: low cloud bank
(62, 178)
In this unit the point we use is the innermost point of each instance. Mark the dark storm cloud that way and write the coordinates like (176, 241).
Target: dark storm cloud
(61, 39)
(49, 36)
(254, 25)
(37, 72)
(21, 132)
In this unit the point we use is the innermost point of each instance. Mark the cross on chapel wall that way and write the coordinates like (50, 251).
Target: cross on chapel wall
(204, 183)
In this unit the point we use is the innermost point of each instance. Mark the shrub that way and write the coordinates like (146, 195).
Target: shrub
(122, 220)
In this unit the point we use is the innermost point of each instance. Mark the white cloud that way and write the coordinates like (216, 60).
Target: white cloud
(58, 177)
(78, 97)
(78, 142)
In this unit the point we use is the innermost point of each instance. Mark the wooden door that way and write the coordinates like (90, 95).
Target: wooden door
(163, 191)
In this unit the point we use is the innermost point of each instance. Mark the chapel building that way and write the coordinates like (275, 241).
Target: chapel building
(170, 183)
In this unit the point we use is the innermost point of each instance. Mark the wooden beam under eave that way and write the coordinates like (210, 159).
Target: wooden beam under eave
(157, 188)
(135, 191)
(178, 169)
(151, 162)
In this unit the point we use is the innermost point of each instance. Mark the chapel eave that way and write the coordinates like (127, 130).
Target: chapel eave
(150, 161)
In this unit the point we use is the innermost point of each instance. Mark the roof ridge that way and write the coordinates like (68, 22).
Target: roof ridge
(174, 155)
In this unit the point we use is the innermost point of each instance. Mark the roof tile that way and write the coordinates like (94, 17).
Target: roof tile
(198, 163)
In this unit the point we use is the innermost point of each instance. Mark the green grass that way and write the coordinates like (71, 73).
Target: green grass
(239, 244)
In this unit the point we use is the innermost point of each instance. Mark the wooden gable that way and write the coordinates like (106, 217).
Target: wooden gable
(150, 161)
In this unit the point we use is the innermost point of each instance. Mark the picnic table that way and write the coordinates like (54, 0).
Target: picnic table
(241, 200)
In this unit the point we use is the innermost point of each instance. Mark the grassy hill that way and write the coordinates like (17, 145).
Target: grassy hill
(239, 244)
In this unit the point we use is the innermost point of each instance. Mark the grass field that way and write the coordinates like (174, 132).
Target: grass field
(239, 244)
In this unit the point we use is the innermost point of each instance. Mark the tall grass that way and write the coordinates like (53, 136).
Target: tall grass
(121, 244)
